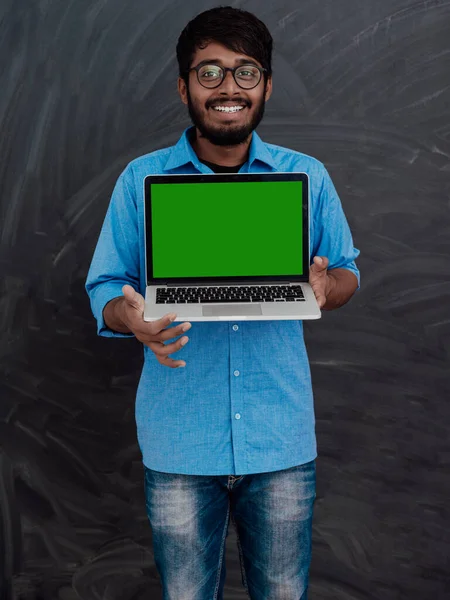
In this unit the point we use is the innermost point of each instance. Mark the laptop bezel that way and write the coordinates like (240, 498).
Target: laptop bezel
(222, 178)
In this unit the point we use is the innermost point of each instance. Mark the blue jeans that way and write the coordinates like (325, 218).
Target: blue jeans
(272, 514)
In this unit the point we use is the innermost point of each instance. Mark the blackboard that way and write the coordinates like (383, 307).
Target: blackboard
(86, 87)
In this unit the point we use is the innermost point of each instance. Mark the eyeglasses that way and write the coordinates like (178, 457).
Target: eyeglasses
(211, 76)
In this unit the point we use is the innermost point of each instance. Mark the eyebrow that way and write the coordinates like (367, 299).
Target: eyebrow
(217, 61)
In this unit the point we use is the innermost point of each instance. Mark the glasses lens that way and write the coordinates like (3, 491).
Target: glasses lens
(248, 76)
(210, 75)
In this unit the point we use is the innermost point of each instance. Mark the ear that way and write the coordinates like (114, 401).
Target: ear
(268, 88)
(182, 90)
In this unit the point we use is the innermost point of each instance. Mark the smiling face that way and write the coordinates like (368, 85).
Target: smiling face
(207, 107)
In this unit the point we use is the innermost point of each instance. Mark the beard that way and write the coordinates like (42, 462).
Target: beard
(226, 135)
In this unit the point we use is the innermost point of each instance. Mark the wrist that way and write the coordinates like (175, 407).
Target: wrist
(115, 315)
(120, 313)
(331, 284)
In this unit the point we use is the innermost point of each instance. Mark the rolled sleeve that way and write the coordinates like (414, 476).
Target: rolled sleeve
(100, 297)
(115, 262)
(332, 235)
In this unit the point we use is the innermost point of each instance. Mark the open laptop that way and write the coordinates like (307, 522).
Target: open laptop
(228, 247)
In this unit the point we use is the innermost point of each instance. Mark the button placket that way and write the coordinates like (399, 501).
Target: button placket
(236, 408)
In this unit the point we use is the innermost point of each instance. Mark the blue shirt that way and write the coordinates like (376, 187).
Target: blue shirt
(243, 404)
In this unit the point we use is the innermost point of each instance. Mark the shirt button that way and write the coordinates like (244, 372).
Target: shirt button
(237, 416)
(236, 373)
(235, 327)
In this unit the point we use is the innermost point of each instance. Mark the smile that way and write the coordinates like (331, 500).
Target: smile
(228, 109)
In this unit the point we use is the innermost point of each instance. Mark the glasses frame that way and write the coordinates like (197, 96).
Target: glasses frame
(225, 71)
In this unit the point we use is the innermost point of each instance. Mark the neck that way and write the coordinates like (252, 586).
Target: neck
(225, 156)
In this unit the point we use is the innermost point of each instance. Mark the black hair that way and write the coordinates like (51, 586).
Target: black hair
(236, 29)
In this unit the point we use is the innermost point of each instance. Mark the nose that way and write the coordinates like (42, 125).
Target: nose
(228, 85)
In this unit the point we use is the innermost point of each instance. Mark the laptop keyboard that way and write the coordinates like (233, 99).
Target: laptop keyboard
(254, 293)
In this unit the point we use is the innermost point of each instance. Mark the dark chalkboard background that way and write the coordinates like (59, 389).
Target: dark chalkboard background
(87, 86)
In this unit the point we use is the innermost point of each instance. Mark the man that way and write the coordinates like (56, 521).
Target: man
(232, 433)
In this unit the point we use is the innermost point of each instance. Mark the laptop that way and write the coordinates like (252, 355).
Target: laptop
(228, 247)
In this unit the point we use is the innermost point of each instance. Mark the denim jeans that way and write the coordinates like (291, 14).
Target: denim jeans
(272, 514)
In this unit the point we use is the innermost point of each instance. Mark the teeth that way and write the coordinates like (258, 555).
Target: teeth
(228, 108)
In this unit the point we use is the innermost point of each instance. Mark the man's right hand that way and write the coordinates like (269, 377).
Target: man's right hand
(129, 309)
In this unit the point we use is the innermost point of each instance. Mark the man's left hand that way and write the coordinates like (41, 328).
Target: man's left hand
(319, 279)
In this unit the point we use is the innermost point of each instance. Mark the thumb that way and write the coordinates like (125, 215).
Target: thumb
(133, 298)
(320, 264)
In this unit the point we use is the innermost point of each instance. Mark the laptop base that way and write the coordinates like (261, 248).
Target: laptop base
(248, 311)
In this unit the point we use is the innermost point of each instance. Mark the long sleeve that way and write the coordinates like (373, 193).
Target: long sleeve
(332, 235)
(116, 258)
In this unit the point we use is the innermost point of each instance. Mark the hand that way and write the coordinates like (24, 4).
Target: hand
(153, 334)
(320, 282)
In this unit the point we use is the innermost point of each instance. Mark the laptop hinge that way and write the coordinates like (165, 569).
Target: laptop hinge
(219, 283)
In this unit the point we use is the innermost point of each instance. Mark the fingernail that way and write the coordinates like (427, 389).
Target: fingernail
(172, 316)
(179, 366)
(185, 341)
(186, 327)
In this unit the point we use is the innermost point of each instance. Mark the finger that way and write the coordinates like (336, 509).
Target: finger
(170, 362)
(167, 361)
(319, 293)
(162, 323)
(172, 332)
(176, 363)
(133, 298)
(320, 264)
(163, 350)
(320, 300)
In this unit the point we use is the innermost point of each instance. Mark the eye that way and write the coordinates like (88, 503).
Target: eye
(210, 72)
(247, 72)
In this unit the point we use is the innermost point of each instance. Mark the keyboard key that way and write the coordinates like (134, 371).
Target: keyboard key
(217, 294)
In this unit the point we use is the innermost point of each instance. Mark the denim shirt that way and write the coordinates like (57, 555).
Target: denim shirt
(243, 404)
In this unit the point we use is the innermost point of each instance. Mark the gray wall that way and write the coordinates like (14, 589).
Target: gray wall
(87, 86)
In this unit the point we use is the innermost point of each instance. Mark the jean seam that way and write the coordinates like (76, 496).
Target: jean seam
(222, 550)
(241, 558)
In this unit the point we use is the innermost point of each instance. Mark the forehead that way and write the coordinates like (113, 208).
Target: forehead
(216, 52)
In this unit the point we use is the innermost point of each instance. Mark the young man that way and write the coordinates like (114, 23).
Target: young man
(232, 433)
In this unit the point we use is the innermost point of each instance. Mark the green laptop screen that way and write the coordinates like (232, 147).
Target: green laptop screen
(227, 229)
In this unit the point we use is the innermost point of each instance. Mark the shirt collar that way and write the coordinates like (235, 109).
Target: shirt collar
(260, 152)
(183, 153)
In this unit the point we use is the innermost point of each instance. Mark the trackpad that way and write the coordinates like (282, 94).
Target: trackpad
(227, 310)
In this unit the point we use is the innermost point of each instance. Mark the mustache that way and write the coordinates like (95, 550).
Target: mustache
(212, 103)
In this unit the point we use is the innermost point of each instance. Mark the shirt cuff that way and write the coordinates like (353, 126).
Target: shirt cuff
(354, 269)
(100, 298)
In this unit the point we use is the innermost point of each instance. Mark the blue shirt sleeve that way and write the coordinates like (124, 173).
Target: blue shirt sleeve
(116, 257)
(332, 236)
